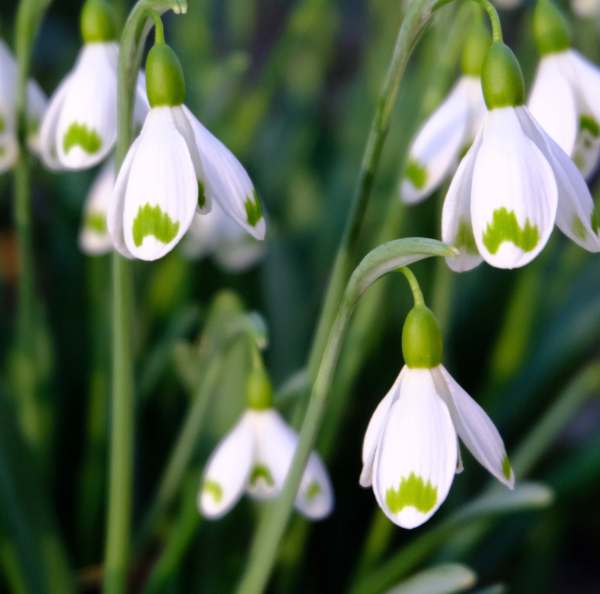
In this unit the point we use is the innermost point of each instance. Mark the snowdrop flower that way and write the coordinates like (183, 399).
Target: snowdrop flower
(410, 452)
(451, 128)
(219, 235)
(80, 126)
(514, 183)
(566, 84)
(94, 239)
(173, 169)
(255, 456)
(36, 105)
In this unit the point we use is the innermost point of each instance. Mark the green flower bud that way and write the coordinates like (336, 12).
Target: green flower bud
(165, 84)
(259, 393)
(475, 49)
(97, 21)
(550, 28)
(421, 339)
(502, 78)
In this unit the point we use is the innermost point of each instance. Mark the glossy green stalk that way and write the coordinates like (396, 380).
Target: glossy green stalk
(118, 536)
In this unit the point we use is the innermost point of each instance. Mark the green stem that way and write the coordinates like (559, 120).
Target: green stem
(490, 10)
(377, 263)
(413, 283)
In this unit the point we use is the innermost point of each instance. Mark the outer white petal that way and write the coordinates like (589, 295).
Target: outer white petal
(475, 428)
(586, 79)
(275, 446)
(315, 495)
(48, 130)
(9, 149)
(552, 102)
(438, 143)
(227, 181)
(575, 214)
(227, 471)
(161, 192)
(375, 429)
(116, 203)
(514, 194)
(457, 228)
(87, 125)
(416, 457)
(94, 238)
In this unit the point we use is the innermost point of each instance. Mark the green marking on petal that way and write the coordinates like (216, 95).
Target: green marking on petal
(416, 174)
(312, 490)
(213, 489)
(596, 219)
(589, 124)
(413, 491)
(2, 151)
(506, 468)
(33, 126)
(2, 124)
(261, 472)
(151, 220)
(253, 209)
(464, 240)
(578, 227)
(95, 221)
(201, 195)
(80, 135)
(505, 227)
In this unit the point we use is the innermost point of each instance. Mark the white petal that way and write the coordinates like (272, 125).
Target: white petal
(457, 228)
(374, 431)
(315, 495)
(475, 428)
(275, 446)
(416, 457)
(227, 181)
(227, 471)
(94, 238)
(586, 154)
(47, 137)
(116, 203)
(514, 194)
(438, 143)
(575, 214)
(161, 192)
(87, 124)
(552, 102)
(586, 79)
(36, 107)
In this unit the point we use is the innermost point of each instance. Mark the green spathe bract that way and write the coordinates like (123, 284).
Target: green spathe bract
(259, 393)
(97, 22)
(501, 78)
(550, 28)
(422, 345)
(152, 221)
(261, 472)
(165, 84)
(412, 491)
(85, 138)
(253, 209)
(505, 227)
(416, 174)
(475, 50)
(214, 489)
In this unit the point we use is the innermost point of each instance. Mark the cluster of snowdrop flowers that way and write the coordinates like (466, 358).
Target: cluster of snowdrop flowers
(255, 457)
(36, 106)
(410, 451)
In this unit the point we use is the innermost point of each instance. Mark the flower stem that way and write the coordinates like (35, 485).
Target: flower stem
(414, 285)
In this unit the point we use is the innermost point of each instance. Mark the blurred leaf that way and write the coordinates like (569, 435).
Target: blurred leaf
(443, 579)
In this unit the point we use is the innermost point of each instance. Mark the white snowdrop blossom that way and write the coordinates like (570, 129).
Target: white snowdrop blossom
(36, 105)
(255, 458)
(174, 169)
(410, 451)
(218, 235)
(94, 238)
(514, 183)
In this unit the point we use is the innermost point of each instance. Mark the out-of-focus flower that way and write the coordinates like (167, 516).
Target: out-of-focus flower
(586, 8)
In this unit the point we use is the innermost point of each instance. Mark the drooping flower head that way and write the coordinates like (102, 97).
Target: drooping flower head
(451, 128)
(411, 451)
(80, 126)
(174, 169)
(36, 105)
(255, 457)
(514, 183)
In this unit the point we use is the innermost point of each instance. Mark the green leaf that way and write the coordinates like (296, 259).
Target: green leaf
(442, 579)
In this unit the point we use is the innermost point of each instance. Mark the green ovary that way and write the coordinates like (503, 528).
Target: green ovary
(589, 124)
(152, 221)
(416, 174)
(413, 491)
(464, 239)
(260, 472)
(80, 135)
(213, 489)
(253, 209)
(505, 227)
(506, 468)
(96, 221)
(312, 490)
